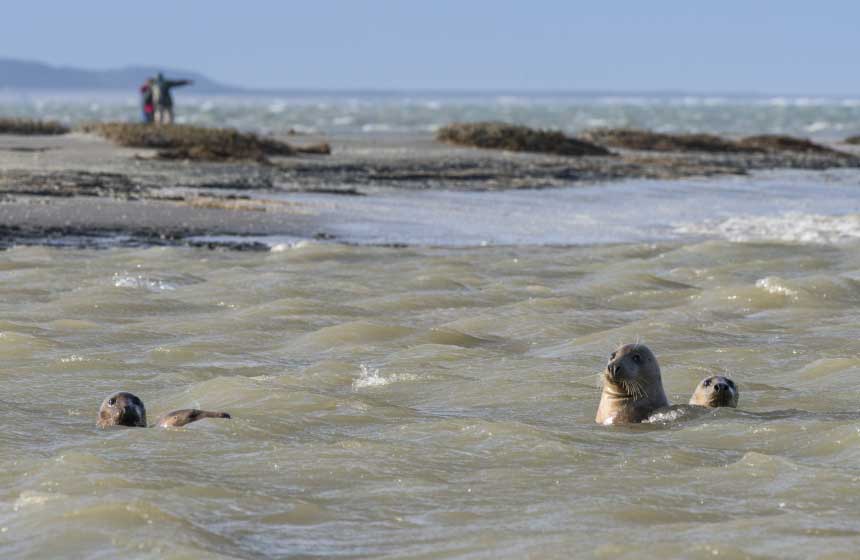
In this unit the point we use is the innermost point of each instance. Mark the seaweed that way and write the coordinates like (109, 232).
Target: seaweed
(516, 138)
(31, 127)
(782, 143)
(197, 143)
(646, 140)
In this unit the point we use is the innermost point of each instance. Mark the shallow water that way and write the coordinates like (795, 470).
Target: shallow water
(429, 402)
(791, 206)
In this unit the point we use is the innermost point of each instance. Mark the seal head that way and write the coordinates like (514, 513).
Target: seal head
(122, 409)
(716, 391)
(632, 386)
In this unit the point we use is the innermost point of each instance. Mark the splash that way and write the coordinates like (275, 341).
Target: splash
(774, 285)
(371, 377)
(141, 282)
(791, 227)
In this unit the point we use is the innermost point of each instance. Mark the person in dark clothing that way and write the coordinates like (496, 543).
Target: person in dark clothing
(162, 99)
(146, 105)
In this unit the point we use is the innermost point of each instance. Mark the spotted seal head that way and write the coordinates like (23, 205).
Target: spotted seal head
(716, 391)
(632, 386)
(125, 409)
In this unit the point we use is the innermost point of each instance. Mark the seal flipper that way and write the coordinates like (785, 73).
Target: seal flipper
(185, 416)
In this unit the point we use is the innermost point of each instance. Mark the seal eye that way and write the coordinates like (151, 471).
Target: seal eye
(612, 356)
(112, 401)
(637, 358)
(707, 383)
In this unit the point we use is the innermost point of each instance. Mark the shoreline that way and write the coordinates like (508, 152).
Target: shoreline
(80, 190)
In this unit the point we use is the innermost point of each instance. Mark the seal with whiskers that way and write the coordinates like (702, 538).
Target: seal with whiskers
(632, 386)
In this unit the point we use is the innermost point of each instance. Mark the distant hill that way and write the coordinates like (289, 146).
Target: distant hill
(23, 74)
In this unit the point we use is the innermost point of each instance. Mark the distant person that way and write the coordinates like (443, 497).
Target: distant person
(162, 99)
(146, 105)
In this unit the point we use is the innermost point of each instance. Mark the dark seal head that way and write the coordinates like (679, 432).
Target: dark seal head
(716, 391)
(122, 409)
(632, 386)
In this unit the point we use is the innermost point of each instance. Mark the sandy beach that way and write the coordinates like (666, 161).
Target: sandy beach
(79, 189)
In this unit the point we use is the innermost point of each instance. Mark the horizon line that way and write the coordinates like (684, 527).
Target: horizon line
(227, 89)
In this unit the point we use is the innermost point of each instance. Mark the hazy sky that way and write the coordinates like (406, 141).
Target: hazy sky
(767, 46)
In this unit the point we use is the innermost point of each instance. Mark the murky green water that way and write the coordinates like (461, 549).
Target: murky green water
(424, 403)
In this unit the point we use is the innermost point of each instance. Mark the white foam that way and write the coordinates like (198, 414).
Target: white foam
(289, 245)
(790, 227)
(818, 126)
(277, 107)
(368, 377)
(776, 286)
(378, 127)
(141, 282)
(30, 498)
(71, 359)
(665, 417)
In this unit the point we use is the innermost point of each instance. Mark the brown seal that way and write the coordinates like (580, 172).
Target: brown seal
(125, 409)
(716, 391)
(632, 386)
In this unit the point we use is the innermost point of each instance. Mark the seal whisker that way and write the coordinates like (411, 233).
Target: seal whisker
(640, 389)
(634, 388)
(628, 388)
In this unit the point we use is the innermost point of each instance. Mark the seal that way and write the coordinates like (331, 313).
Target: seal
(632, 386)
(716, 391)
(126, 409)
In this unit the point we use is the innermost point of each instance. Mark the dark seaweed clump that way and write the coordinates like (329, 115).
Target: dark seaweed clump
(503, 136)
(198, 143)
(646, 140)
(781, 143)
(31, 127)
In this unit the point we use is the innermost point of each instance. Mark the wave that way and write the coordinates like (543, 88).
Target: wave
(791, 227)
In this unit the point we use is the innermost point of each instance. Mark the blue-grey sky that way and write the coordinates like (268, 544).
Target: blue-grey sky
(768, 46)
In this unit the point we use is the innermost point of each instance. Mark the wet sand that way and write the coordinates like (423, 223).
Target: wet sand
(81, 190)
